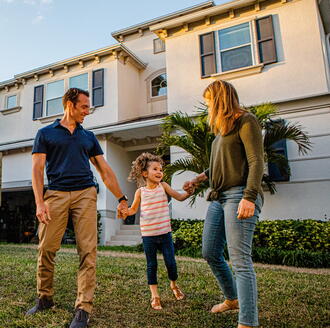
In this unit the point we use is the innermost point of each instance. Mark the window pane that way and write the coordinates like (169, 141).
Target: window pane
(159, 46)
(234, 36)
(11, 101)
(159, 86)
(236, 58)
(79, 81)
(55, 89)
(54, 106)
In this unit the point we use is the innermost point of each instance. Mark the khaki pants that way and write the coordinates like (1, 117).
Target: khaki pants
(82, 206)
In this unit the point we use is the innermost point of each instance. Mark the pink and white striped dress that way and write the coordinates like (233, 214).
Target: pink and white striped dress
(155, 216)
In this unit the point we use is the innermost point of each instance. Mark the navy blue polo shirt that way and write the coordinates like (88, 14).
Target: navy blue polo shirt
(67, 160)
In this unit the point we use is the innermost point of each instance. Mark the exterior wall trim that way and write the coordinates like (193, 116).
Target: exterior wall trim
(118, 35)
(7, 111)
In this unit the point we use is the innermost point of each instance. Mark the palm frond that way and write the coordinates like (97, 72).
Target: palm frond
(269, 184)
(182, 165)
(278, 130)
(263, 112)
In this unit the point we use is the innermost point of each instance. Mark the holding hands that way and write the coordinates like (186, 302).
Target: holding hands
(122, 210)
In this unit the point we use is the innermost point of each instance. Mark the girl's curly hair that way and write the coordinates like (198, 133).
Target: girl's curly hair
(141, 164)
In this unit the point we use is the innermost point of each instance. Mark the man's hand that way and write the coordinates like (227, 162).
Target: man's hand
(122, 210)
(42, 213)
(245, 209)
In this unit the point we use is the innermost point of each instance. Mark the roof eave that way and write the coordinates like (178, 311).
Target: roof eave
(75, 60)
(146, 24)
(200, 14)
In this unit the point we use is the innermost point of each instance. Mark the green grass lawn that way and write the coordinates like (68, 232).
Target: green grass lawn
(286, 299)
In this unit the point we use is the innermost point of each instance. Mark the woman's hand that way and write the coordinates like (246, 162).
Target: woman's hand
(245, 209)
(189, 187)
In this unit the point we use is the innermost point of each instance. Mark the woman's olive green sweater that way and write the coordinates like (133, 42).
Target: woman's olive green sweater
(237, 159)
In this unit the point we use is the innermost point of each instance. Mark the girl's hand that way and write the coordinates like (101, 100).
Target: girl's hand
(189, 187)
(245, 209)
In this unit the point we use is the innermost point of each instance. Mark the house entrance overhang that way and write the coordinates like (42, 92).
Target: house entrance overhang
(133, 135)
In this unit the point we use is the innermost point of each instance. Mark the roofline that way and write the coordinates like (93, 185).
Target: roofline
(146, 24)
(171, 23)
(75, 60)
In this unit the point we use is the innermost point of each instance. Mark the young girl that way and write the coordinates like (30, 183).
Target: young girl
(155, 220)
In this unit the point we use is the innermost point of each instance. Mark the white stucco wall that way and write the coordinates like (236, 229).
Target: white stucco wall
(142, 46)
(20, 125)
(300, 71)
(129, 92)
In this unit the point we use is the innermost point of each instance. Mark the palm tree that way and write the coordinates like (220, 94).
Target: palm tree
(193, 135)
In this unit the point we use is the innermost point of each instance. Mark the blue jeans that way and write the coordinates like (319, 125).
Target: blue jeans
(164, 243)
(222, 226)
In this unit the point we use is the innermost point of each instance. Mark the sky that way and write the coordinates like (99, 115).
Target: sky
(35, 33)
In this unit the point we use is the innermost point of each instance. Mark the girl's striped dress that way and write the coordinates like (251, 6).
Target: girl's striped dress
(155, 217)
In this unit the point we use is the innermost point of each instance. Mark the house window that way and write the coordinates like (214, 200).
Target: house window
(159, 46)
(232, 48)
(235, 47)
(79, 81)
(11, 102)
(159, 86)
(274, 171)
(54, 93)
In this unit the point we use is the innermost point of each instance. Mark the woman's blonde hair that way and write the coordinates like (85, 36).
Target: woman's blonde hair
(223, 106)
(141, 164)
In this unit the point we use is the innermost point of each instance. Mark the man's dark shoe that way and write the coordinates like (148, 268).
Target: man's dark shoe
(80, 319)
(41, 305)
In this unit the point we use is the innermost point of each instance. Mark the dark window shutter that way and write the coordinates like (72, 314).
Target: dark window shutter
(266, 40)
(38, 101)
(273, 170)
(98, 88)
(207, 53)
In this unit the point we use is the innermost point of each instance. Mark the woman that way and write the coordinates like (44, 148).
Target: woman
(235, 173)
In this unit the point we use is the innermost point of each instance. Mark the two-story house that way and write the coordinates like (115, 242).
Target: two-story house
(272, 50)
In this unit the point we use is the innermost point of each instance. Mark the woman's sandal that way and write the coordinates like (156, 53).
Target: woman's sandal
(178, 293)
(155, 303)
(227, 305)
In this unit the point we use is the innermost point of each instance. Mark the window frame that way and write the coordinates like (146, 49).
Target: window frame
(66, 86)
(148, 80)
(150, 86)
(6, 101)
(154, 48)
(218, 50)
(88, 81)
(255, 23)
(45, 108)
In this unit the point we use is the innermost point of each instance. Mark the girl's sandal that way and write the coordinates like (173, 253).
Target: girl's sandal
(155, 303)
(227, 305)
(178, 293)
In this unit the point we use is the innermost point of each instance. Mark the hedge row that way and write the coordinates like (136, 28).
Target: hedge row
(303, 243)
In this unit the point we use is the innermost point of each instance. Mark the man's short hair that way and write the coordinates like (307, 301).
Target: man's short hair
(72, 95)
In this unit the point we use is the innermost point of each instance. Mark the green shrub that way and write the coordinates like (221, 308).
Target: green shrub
(303, 243)
(308, 235)
(297, 258)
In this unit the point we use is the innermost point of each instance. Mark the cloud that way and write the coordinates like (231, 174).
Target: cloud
(38, 19)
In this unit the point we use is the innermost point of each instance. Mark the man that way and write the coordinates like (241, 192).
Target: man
(66, 148)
